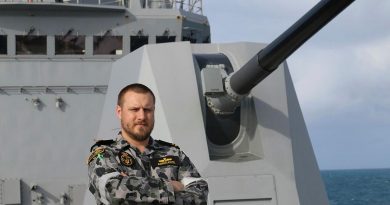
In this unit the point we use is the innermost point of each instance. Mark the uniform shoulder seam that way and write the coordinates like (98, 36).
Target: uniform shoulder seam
(167, 143)
(102, 142)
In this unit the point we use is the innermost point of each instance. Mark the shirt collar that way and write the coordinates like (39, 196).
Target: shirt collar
(123, 144)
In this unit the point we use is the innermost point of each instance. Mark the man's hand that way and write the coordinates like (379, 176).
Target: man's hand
(177, 186)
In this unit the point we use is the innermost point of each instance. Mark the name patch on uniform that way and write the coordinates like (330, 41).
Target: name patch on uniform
(165, 161)
(96, 153)
(126, 159)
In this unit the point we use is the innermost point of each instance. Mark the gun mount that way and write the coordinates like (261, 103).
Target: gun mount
(225, 89)
(238, 84)
(249, 141)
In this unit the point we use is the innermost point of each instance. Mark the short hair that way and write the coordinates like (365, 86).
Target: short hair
(135, 87)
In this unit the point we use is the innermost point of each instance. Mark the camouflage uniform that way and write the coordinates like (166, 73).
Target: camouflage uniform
(120, 174)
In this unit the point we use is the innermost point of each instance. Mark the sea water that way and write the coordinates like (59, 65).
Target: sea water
(357, 187)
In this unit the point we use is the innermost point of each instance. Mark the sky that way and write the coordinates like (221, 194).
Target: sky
(341, 75)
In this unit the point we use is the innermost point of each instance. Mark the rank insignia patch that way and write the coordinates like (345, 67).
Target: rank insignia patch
(126, 159)
(166, 161)
(96, 153)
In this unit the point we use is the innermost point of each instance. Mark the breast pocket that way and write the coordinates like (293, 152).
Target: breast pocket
(168, 172)
(129, 166)
(166, 167)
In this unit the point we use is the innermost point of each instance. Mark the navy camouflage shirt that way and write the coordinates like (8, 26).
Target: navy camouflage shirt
(120, 174)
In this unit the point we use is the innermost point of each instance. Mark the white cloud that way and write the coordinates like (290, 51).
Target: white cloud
(252, 20)
(374, 57)
(343, 78)
(318, 77)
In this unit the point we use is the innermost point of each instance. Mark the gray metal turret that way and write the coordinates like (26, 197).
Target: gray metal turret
(239, 83)
(250, 142)
(225, 90)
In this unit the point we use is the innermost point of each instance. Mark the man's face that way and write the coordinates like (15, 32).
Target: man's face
(136, 115)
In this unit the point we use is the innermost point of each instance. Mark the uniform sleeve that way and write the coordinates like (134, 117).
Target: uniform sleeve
(110, 186)
(196, 188)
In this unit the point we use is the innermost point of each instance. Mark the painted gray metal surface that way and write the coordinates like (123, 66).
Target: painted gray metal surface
(44, 141)
(262, 164)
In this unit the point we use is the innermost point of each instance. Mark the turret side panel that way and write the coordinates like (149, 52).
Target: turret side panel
(310, 187)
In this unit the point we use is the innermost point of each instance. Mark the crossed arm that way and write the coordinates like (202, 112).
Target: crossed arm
(113, 186)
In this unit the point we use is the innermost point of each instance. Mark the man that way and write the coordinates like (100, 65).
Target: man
(137, 169)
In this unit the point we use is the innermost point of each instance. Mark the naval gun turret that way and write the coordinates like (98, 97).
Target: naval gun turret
(269, 58)
(249, 140)
(224, 93)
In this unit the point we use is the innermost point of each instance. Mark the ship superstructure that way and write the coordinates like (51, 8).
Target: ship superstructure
(231, 107)
(55, 63)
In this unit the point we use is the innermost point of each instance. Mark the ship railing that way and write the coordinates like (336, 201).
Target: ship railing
(81, 2)
(193, 6)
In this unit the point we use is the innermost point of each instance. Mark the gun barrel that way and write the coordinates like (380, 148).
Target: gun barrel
(268, 59)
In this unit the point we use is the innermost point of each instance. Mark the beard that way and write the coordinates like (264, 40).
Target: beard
(138, 134)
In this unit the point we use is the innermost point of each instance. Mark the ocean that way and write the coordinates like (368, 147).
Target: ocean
(357, 187)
